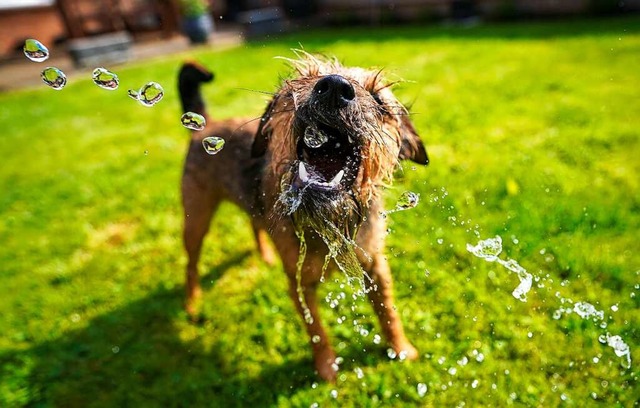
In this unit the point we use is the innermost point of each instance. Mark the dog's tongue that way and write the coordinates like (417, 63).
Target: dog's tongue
(303, 174)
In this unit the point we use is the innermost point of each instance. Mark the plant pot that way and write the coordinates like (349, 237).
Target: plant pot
(198, 28)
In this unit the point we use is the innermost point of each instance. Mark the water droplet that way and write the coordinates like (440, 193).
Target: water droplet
(564, 397)
(133, 94)
(422, 389)
(314, 137)
(475, 383)
(213, 144)
(376, 339)
(463, 361)
(596, 360)
(529, 335)
(480, 358)
(53, 77)
(115, 349)
(35, 50)
(193, 121)
(407, 200)
(391, 353)
(315, 339)
(334, 394)
(105, 79)
(452, 371)
(614, 308)
(150, 94)
(359, 372)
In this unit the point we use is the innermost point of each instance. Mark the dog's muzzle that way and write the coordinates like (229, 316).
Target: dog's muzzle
(328, 150)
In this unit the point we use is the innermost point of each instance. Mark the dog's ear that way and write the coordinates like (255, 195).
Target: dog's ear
(261, 140)
(411, 147)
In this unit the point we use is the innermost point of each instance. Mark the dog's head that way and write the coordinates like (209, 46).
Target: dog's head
(334, 134)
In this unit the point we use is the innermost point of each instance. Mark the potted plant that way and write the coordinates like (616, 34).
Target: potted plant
(197, 23)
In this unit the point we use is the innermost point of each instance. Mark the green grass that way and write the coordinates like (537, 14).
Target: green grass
(532, 130)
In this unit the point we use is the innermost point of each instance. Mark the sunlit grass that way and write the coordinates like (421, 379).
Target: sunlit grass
(532, 131)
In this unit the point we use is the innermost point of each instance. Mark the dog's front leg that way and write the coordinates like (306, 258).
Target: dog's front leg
(381, 296)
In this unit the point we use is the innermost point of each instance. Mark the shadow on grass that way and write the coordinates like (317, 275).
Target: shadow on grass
(133, 356)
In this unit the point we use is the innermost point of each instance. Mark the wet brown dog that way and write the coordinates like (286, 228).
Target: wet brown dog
(310, 174)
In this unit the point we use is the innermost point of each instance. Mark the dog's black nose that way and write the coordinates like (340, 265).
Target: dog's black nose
(334, 90)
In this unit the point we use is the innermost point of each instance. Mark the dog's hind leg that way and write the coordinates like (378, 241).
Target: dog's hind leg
(199, 205)
(381, 296)
(262, 242)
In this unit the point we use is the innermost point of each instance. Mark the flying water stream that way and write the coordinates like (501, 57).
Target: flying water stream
(489, 250)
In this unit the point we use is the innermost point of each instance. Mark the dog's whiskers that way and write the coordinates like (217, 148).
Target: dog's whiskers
(257, 91)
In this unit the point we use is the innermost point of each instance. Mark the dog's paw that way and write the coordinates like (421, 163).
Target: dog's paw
(326, 366)
(407, 351)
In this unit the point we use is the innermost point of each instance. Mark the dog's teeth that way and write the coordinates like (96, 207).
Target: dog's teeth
(337, 179)
(302, 172)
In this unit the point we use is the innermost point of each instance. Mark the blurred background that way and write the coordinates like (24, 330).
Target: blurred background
(100, 31)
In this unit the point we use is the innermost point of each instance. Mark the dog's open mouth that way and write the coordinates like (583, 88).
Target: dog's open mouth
(328, 158)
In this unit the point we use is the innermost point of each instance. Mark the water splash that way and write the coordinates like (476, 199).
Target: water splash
(193, 121)
(35, 50)
(105, 79)
(314, 138)
(587, 311)
(620, 348)
(54, 77)
(489, 250)
(213, 144)
(302, 253)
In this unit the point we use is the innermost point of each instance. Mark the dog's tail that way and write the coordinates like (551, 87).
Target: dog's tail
(191, 76)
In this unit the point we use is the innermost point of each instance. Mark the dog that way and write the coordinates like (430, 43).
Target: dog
(309, 173)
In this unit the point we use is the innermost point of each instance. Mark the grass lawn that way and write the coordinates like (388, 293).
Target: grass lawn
(533, 134)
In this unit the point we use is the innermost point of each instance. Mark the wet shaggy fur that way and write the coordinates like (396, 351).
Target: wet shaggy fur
(309, 174)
